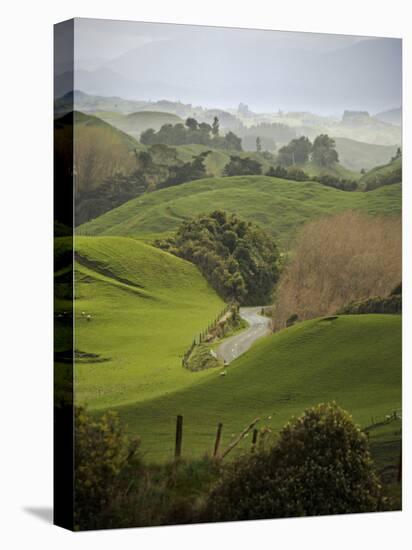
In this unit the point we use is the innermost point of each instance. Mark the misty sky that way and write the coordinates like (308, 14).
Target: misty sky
(220, 67)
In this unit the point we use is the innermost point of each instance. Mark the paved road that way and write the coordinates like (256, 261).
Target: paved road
(239, 343)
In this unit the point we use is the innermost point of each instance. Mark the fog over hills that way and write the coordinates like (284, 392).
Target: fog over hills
(221, 67)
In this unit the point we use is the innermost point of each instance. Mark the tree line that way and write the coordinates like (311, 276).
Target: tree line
(191, 132)
(156, 168)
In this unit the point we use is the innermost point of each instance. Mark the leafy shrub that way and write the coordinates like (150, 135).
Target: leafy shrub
(376, 304)
(202, 358)
(292, 320)
(106, 460)
(338, 183)
(320, 465)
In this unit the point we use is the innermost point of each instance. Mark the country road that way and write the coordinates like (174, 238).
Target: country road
(234, 346)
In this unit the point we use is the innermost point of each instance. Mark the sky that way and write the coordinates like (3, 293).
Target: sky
(221, 67)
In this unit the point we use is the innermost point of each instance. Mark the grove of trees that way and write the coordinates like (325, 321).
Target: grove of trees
(156, 168)
(239, 259)
(337, 260)
(242, 166)
(299, 150)
(192, 132)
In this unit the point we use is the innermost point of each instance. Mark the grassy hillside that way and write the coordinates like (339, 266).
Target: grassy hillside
(218, 158)
(278, 205)
(136, 123)
(356, 155)
(382, 175)
(355, 360)
(146, 307)
(339, 171)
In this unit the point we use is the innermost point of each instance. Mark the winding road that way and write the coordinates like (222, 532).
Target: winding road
(234, 346)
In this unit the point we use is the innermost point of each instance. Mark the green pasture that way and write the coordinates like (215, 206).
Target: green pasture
(280, 206)
(146, 306)
(355, 360)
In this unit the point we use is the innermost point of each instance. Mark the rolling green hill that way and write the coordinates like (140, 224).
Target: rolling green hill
(136, 123)
(218, 158)
(280, 206)
(379, 176)
(356, 155)
(338, 170)
(355, 360)
(146, 306)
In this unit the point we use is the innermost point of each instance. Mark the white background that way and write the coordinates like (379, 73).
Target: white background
(26, 273)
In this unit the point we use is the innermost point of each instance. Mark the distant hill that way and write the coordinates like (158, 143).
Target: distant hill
(356, 155)
(393, 116)
(91, 103)
(136, 123)
(387, 174)
(338, 170)
(278, 205)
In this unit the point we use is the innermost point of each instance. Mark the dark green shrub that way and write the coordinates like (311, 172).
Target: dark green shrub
(292, 320)
(106, 461)
(320, 465)
(376, 304)
(239, 259)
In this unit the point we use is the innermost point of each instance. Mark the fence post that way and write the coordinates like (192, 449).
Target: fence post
(179, 436)
(254, 440)
(217, 440)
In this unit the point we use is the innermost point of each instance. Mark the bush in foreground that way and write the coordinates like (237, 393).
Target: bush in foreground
(320, 465)
(106, 462)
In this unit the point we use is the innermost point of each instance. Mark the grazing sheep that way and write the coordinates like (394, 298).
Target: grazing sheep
(223, 373)
(89, 317)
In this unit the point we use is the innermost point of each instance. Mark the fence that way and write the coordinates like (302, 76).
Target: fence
(203, 335)
(216, 447)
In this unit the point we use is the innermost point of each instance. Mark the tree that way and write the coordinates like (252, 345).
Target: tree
(231, 142)
(191, 123)
(215, 127)
(324, 152)
(258, 145)
(398, 154)
(239, 166)
(320, 465)
(296, 152)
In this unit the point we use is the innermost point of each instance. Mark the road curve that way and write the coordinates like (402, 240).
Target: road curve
(234, 346)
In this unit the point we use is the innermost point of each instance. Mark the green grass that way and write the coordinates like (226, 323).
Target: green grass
(355, 360)
(218, 158)
(136, 123)
(280, 206)
(356, 155)
(146, 307)
(381, 175)
(339, 171)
